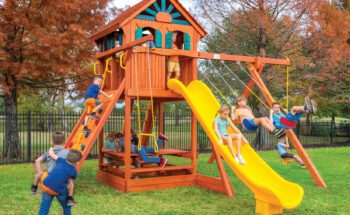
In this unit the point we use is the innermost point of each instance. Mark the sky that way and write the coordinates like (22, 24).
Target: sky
(123, 3)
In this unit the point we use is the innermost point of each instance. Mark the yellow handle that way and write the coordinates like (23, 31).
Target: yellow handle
(121, 59)
(95, 68)
(107, 64)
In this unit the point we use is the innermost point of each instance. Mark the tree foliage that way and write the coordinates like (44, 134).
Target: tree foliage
(43, 44)
(313, 34)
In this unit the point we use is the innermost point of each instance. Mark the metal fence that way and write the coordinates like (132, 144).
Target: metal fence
(35, 133)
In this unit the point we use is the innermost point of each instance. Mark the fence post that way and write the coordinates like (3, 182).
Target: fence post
(332, 128)
(259, 139)
(298, 128)
(29, 136)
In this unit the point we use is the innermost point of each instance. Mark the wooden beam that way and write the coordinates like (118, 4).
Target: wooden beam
(291, 135)
(156, 93)
(224, 178)
(115, 50)
(251, 83)
(100, 146)
(194, 142)
(247, 59)
(127, 133)
(158, 169)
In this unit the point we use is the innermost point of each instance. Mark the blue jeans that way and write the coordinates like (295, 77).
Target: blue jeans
(46, 201)
(144, 150)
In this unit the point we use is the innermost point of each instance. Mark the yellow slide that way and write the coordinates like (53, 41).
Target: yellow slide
(272, 192)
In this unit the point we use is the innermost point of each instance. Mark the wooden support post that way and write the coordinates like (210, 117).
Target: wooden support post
(127, 137)
(251, 83)
(100, 146)
(194, 142)
(295, 141)
(224, 178)
(114, 75)
(212, 158)
(160, 117)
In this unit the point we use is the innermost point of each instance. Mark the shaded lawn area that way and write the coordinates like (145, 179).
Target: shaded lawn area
(95, 198)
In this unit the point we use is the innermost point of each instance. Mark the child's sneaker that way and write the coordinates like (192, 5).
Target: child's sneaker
(163, 162)
(163, 137)
(241, 160)
(314, 106)
(71, 202)
(236, 158)
(308, 105)
(86, 129)
(279, 133)
(93, 116)
(34, 189)
(302, 166)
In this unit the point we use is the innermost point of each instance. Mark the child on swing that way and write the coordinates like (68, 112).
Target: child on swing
(293, 115)
(244, 114)
(221, 124)
(282, 148)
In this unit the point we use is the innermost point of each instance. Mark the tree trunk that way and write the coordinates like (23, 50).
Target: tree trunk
(12, 143)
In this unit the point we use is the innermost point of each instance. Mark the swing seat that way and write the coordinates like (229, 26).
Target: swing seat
(288, 123)
(286, 161)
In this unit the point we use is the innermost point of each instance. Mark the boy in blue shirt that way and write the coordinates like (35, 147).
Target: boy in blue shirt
(294, 115)
(91, 100)
(56, 183)
(58, 140)
(282, 148)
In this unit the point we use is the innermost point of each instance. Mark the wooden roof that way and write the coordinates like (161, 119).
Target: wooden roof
(132, 12)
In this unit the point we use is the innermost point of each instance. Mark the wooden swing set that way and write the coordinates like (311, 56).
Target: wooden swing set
(133, 72)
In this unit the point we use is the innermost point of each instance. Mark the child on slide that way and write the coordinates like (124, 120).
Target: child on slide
(91, 100)
(221, 124)
(243, 113)
(293, 115)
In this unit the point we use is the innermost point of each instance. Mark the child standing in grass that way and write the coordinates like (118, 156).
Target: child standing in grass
(221, 124)
(91, 100)
(58, 140)
(282, 148)
(55, 184)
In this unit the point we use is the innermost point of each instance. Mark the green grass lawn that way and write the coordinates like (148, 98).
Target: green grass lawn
(95, 198)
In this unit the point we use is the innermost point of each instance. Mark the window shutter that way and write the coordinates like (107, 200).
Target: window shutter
(169, 40)
(187, 42)
(120, 38)
(138, 34)
(159, 39)
(101, 45)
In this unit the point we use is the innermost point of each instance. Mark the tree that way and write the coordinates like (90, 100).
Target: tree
(297, 29)
(43, 44)
(329, 51)
(258, 28)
